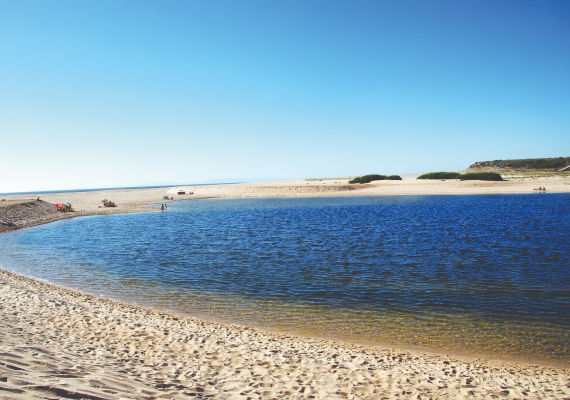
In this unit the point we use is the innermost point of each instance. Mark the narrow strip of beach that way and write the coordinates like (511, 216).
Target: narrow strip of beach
(87, 203)
(58, 343)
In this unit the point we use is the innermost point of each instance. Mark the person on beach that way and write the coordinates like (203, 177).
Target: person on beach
(162, 207)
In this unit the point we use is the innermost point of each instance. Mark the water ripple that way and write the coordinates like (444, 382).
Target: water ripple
(485, 274)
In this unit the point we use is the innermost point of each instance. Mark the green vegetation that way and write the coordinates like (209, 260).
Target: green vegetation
(368, 178)
(528, 163)
(375, 177)
(441, 175)
(481, 176)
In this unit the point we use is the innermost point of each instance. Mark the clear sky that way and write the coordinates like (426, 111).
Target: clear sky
(128, 93)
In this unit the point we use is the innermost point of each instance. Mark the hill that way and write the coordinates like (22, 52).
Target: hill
(551, 164)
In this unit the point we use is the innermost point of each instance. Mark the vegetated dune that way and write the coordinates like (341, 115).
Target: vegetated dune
(558, 163)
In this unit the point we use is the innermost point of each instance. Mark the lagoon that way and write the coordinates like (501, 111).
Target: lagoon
(481, 274)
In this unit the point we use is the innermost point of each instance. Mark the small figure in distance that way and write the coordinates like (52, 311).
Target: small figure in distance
(162, 207)
(38, 198)
(165, 207)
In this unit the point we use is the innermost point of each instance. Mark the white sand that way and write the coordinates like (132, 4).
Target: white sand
(58, 343)
(340, 187)
(130, 200)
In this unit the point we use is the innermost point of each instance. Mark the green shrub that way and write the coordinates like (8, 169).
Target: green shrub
(375, 177)
(441, 175)
(368, 178)
(482, 176)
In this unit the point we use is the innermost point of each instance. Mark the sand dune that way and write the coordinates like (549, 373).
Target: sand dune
(56, 343)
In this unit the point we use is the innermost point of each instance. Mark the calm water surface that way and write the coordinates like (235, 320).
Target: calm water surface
(479, 274)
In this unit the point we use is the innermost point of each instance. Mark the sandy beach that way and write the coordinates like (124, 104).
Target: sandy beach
(15, 216)
(131, 200)
(57, 343)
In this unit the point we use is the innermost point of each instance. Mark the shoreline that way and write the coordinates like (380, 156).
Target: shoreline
(142, 353)
(393, 379)
(136, 200)
(430, 351)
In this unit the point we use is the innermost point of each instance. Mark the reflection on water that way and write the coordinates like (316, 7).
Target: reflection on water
(484, 274)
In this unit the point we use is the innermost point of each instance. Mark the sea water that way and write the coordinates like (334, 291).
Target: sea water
(480, 274)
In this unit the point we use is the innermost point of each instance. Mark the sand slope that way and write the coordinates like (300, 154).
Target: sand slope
(56, 343)
(21, 214)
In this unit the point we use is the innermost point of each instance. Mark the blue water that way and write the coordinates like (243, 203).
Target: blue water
(478, 274)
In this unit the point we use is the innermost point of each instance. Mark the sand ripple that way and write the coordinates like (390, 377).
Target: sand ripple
(56, 343)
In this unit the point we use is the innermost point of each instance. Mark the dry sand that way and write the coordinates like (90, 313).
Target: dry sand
(57, 343)
(130, 200)
(340, 187)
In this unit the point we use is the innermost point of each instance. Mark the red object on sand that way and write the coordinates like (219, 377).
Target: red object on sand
(63, 207)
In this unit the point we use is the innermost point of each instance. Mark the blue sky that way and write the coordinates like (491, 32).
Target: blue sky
(128, 93)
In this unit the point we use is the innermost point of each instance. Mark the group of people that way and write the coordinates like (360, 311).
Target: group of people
(541, 189)
(163, 207)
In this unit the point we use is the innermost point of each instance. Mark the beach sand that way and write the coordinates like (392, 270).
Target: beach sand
(57, 343)
(130, 200)
(340, 187)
